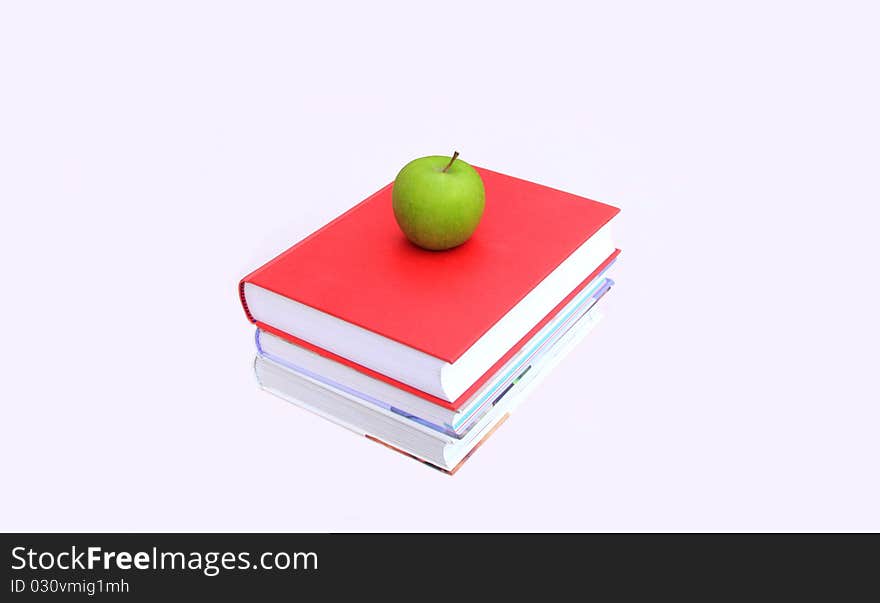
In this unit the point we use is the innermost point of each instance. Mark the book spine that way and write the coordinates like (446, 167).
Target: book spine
(244, 305)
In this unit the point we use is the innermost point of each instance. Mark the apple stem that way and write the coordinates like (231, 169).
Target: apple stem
(454, 157)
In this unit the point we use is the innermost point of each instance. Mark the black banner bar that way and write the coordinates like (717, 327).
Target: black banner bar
(243, 566)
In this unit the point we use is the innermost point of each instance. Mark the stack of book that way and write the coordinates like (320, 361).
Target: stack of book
(428, 352)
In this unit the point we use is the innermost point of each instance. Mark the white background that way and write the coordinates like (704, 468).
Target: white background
(152, 153)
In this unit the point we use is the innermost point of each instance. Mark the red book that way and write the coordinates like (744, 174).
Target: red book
(436, 321)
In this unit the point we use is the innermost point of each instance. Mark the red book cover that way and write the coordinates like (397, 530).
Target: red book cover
(455, 404)
(360, 268)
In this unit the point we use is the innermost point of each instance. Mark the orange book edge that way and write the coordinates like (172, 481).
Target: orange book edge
(432, 465)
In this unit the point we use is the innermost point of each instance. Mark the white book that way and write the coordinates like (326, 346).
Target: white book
(371, 391)
(424, 443)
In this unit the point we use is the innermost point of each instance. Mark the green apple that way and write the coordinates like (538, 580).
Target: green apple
(438, 201)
